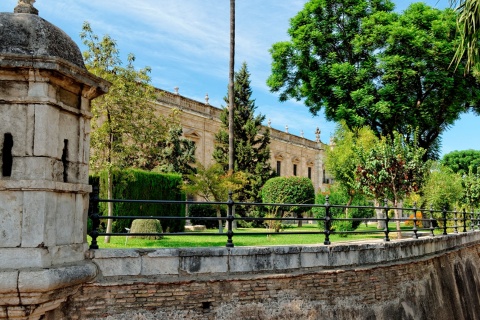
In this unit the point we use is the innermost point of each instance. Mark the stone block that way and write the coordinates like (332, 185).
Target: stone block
(68, 253)
(200, 260)
(53, 278)
(11, 211)
(8, 282)
(251, 259)
(50, 218)
(314, 256)
(17, 258)
(34, 229)
(80, 220)
(69, 130)
(38, 89)
(16, 126)
(46, 129)
(112, 262)
(286, 258)
(65, 215)
(33, 168)
(13, 89)
(161, 262)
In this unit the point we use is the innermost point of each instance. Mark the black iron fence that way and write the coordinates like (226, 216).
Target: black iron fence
(431, 222)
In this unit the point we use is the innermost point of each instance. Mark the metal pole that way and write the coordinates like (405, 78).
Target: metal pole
(230, 219)
(327, 222)
(387, 219)
(95, 216)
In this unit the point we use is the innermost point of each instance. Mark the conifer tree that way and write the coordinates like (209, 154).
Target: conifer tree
(252, 151)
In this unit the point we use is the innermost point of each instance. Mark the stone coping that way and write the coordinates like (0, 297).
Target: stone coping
(15, 61)
(192, 263)
(44, 185)
(16, 283)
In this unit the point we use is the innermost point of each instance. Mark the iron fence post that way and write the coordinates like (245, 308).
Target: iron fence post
(464, 220)
(444, 214)
(387, 219)
(94, 216)
(415, 230)
(455, 221)
(431, 221)
(230, 219)
(472, 222)
(327, 222)
(478, 220)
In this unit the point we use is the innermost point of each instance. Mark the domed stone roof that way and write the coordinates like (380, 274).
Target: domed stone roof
(29, 35)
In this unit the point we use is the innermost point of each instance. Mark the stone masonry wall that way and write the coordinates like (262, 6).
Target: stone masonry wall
(440, 284)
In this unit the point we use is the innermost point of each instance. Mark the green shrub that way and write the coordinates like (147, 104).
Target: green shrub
(205, 210)
(134, 184)
(146, 226)
(294, 190)
(337, 196)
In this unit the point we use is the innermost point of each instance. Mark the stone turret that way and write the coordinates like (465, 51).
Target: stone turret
(45, 94)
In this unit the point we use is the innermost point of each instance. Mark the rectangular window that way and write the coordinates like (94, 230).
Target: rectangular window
(294, 169)
(279, 167)
(309, 173)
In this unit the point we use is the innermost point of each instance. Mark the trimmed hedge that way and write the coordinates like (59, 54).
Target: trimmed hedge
(134, 184)
(295, 190)
(146, 226)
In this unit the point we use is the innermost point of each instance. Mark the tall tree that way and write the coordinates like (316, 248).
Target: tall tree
(251, 138)
(461, 161)
(124, 125)
(363, 63)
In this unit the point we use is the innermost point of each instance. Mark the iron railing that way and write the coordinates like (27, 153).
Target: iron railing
(434, 219)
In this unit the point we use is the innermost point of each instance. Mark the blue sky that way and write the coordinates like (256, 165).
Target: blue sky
(186, 43)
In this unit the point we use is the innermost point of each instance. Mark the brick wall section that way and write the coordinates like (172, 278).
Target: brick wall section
(439, 287)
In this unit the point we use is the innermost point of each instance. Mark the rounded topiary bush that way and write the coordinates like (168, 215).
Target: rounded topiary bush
(204, 210)
(146, 226)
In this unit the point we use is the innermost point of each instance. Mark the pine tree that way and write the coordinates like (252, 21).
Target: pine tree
(251, 139)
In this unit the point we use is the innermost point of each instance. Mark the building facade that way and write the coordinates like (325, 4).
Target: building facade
(290, 155)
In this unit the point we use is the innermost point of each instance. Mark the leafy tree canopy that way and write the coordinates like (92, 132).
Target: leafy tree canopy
(391, 170)
(443, 188)
(461, 161)
(293, 190)
(342, 160)
(363, 63)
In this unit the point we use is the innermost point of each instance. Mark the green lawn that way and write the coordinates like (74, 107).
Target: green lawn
(211, 238)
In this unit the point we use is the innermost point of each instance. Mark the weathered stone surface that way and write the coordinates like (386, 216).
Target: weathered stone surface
(201, 261)
(11, 210)
(251, 259)
(161, 262)
(112, 262)
(30, 35)
(17, 258)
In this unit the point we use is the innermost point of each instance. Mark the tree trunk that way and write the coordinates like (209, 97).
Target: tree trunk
(231, 93)
(397, 216)
(380, 215)
(109, 204)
